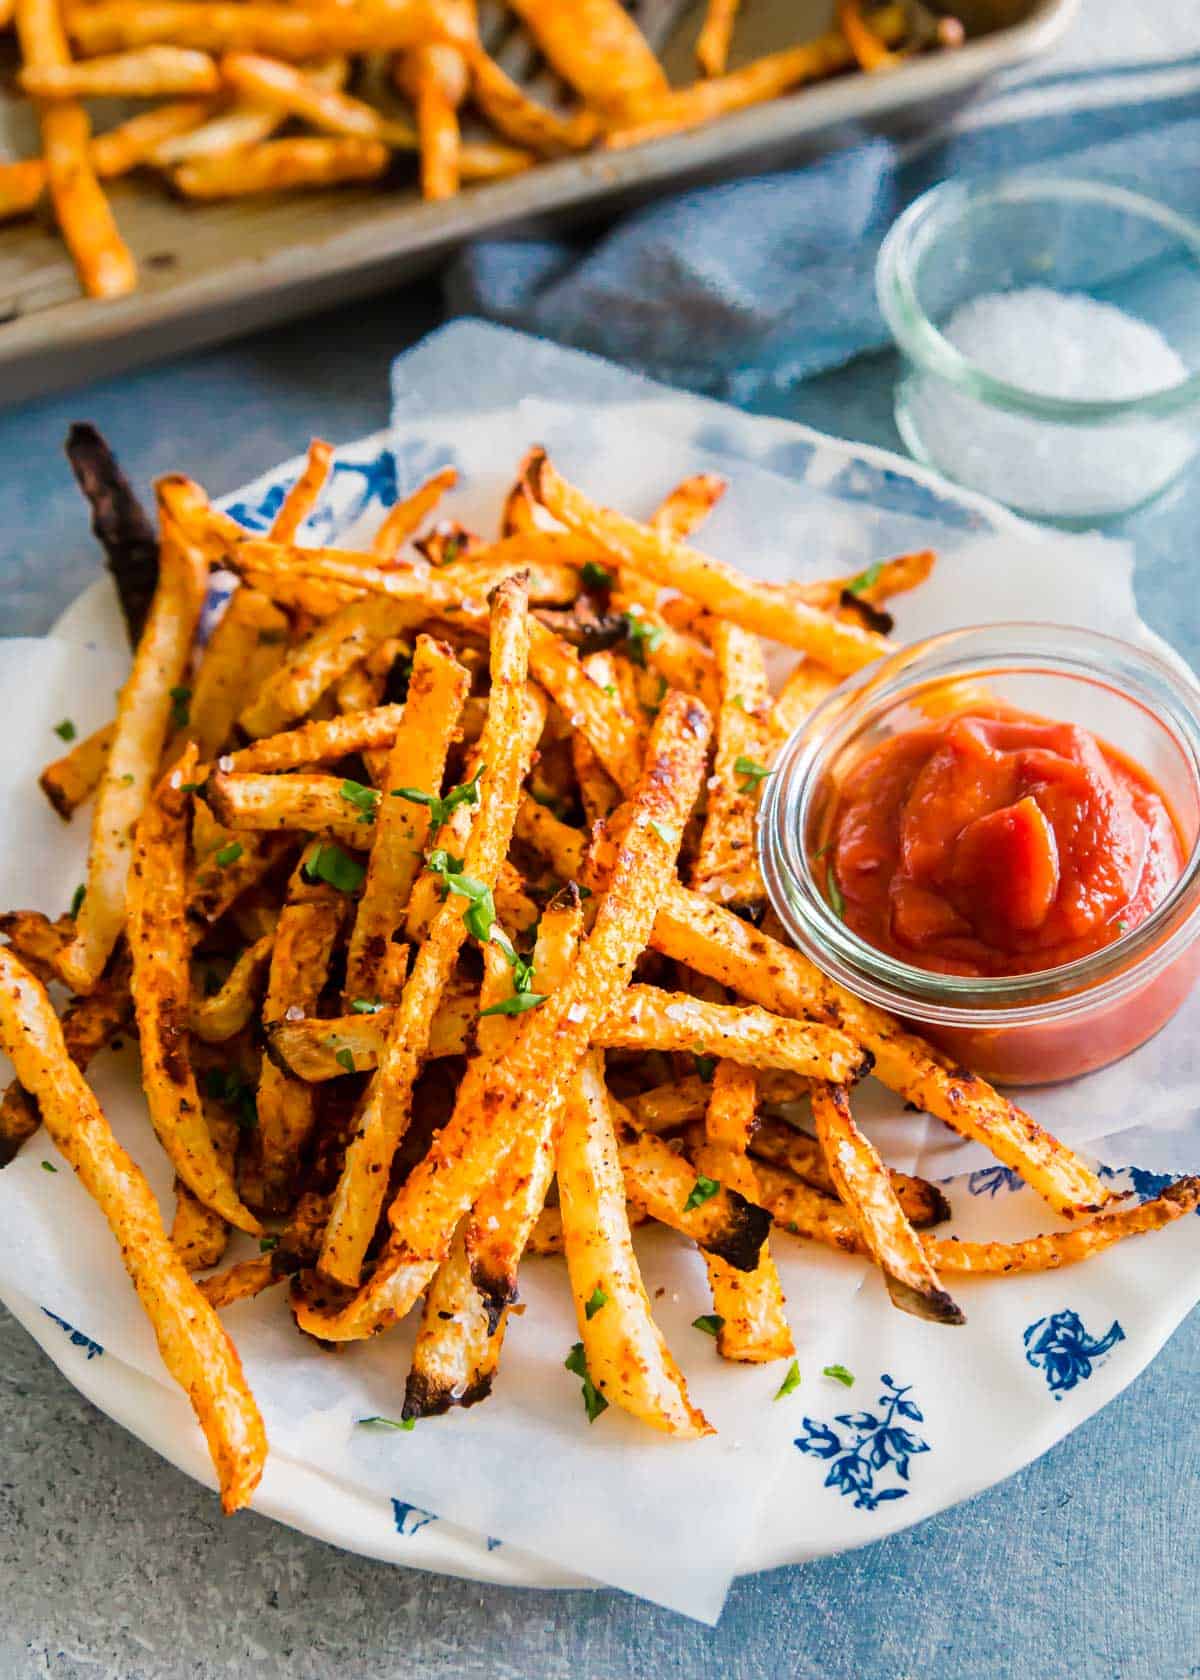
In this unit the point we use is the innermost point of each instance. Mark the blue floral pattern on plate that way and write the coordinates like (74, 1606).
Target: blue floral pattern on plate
(869, 1445)
(1063, 1350)
(988, 1180)
(78, 1339)
(410, 1518)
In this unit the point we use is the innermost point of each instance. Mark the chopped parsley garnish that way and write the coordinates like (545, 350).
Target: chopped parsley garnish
(480, 914)
(706, 1066)
(642, 638)
(65, 730)
(610, 689)
(451, 549)
(364, 799)
(181, 712)
(386, 1423)
(702, 1191)
(344, 1058)
(594, 1302)
(790, 1382)
(366, 1006)
(229, 854)
(751, 770)
(467, 793)
(594, 1402)
(187, 787)
(664, 834)
(865, 580)
(739, 700)
(711, 1323)
(840, 1374)
(48, 1166)
(77, 898)
(266, 1244)
(594, 576)
(230, 1088)
(517, 1004)
(834, 893)
(329, 863)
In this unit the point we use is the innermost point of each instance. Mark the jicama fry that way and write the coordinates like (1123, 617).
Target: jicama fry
(280, 165)
(608, 731)
(219, 26)
(863, 1184)
(101, 259)
(416, 764)
(159, 944)
(664, 1185)
(522, 120)
(406, 515)
(145, 73)
(220, 879)
(304, 494)
(923, 1203)
(38, 941)
(362, 1188)
(228, 1011)
(198, 1235)
(316, 803)
(143, 715)
(716, 32)
(689, 504)
(546, 1238)
(597, 47)
(194, 1347)
(763, 608)
(434, 76)
(245, 647)
(873, 585)
(806, 686)
(319, 661)
(795, 1207)
(136, 140)
(319, 741)
(649, 1019)
(240, 1282)
(119, 524)
(726, 866)
(455, 1352)
(496, 1104)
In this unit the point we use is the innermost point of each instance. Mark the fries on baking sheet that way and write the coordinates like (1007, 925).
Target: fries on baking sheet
(390, 874)
(358, 82)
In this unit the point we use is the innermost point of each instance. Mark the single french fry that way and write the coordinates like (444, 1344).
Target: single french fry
(647, 1018)
(320, 740)
(159, 944)
(101, 259)
(247, 644)
(863, 1184)
(304, 494)
(496, 1104)
(144, 73)
(455, 1353)
(607, 729)
(408, 514)
(546, 1238)
(597, 47)
(663, 1184)
(873, 585)
(754, 83)
(220, 26)
(133, 142)
(627, 1357)
(198, 1235)
(750, 1304)
(220, 879)
(417, 762)
(522, 120)
(315, 803)
(802, 1211)
(244, 124)
(434, 76)
(143, 716)
(763, 608)
(228, 1011)
(74, 777)
(193, 1345)
(726, 866)
(120, 525)
(806, 686)
(362, 1187)
(281, 165)
(716, 32)
(239, 1282)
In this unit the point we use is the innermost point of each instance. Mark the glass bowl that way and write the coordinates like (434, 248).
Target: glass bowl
(1031, 1028)
(1054, 457)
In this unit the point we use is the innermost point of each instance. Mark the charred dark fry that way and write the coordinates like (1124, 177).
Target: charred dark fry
(120, 524)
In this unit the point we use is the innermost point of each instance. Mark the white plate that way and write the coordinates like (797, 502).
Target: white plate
(934, 1415)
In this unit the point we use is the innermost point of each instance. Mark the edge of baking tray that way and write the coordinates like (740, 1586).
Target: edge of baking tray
(85, 338)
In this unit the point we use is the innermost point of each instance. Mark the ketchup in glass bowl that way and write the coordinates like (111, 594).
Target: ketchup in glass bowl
(993, 835)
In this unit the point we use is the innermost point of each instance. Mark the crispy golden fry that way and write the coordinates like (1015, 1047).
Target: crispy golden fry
(546, 1237)
(806, 686)
(872, 586)
(145, 73)
(143, 716)
(38, 941)
(1064, 1248)
(318, 662)
(608, 730)
(716, 32)
(754, 83)
(597, 47)
(923, 1203)
(242, 651)
(731, 1113)
(434, 76)
(304, 494)
(522, 120)
(244, 124)
(280, 165)
(649, 1019)
(101, 259)
(159, 944)
(228, 1011)
(456, 1351)
(689, 505)
(88, 1025)
(362, 1187)
(220, 26)
(763, 608)
(307, 801)
(497, 1103)
(417, 763)
(863, 1184)
(726, 866)
(134, 141)
(320, 741)
(240, 1282)
(199, 1235)
(663, 1184)
(406, 516)
(193, 1345)
(627, 1357)
(304, 941)
(219, 880)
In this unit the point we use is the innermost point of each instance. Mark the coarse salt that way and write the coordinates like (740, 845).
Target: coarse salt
(1053, 344)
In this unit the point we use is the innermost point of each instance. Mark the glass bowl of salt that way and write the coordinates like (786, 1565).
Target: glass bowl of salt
(1051, 335)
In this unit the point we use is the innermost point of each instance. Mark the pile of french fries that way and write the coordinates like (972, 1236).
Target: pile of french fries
(429, 888)
(263, 95)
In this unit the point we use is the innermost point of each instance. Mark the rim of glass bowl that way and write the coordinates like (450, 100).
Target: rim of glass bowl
(1169, 695)
(928, 216)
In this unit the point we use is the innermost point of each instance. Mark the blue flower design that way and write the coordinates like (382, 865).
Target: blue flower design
(492, 1543)
(868, 1445)
(1063, 1349)
(257, 516)
(409, 1518)
(988, 1180)
(78, 1339)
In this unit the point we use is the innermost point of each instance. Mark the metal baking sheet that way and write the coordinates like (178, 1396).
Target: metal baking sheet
(214, 271)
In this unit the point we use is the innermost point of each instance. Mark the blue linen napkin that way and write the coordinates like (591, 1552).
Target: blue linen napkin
(746, 287)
